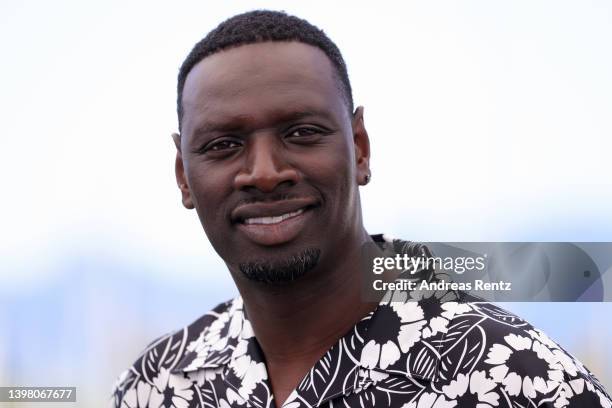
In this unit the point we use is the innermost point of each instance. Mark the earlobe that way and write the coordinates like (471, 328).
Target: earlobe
(362, 147)
(181, 178)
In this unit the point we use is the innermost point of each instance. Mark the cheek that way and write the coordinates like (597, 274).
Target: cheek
(208, 187)
(335, 172)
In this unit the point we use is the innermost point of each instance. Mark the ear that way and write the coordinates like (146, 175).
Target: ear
(362, 147)
(181, 178)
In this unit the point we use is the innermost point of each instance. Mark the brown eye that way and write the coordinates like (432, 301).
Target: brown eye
(226, 144)
(304, 132)
(221, 145)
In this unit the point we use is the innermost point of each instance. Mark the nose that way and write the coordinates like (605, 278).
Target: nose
(265, 167)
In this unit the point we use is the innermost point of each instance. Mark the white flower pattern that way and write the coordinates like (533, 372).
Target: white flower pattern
(472, 390)
(543, 375)
(414, 351)
(383, 352)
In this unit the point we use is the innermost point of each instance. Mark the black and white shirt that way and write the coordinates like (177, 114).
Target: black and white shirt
(437, 350)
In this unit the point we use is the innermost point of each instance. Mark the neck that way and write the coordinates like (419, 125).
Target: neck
(300, 321)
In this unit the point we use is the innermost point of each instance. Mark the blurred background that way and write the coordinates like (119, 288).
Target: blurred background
(489, 121)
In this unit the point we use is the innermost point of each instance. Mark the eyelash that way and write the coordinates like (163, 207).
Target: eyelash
(310, 129)
(216, 144)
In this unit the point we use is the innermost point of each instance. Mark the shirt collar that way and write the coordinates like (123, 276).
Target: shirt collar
(403, 336)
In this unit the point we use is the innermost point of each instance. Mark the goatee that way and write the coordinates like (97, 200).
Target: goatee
(281, 271)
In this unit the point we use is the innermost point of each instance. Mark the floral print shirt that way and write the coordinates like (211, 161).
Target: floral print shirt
(434, 350)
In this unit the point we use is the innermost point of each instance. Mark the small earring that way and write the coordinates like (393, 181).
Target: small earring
(366, 179)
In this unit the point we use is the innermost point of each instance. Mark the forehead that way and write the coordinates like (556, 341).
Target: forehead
(256, 80)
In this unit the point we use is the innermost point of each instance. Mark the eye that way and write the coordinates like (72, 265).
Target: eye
(306, 135)
(304, 131)
(221, 145)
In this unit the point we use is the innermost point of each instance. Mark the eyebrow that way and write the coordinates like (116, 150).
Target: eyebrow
(239, 123)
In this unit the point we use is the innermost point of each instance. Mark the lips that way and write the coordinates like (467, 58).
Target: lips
(274, 219)
(264, 209)
(273, 223)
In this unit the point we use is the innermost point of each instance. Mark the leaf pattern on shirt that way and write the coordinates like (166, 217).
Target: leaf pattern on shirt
(416, 350)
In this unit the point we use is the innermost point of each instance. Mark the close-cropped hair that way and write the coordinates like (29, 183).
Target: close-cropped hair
(262, 26)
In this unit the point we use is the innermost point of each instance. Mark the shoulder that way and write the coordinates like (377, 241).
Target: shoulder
(489, 348)
(150, 373)
(489, 355)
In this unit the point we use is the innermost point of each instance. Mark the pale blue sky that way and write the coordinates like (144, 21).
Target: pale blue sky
(489, 120)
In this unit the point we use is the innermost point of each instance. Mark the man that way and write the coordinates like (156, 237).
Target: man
(271, 154)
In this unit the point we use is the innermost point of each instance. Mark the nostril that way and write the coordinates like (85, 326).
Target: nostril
(266, 180)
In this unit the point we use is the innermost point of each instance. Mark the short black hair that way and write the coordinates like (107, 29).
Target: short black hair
(261, 26)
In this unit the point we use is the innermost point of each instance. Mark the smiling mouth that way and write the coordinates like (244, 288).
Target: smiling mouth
(273, 220)
(275, 223)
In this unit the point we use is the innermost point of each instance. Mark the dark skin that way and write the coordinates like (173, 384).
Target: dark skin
(266, 131)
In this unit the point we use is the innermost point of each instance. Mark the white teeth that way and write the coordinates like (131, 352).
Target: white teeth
(273, 220)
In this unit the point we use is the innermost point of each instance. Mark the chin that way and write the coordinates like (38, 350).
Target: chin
(281, 269)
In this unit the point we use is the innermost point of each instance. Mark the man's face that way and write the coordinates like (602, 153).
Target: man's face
(269, 155)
